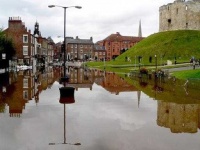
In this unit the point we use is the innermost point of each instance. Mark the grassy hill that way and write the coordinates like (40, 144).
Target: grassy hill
(170, 45)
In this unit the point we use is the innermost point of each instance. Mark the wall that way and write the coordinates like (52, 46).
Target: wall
(180, 15)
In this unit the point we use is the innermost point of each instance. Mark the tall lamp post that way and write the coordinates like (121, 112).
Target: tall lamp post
(156, 62)
(64, 7)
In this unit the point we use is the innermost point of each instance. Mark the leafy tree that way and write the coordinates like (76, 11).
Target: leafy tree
(6, 46)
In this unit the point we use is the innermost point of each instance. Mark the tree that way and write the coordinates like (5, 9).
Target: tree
(6, 46)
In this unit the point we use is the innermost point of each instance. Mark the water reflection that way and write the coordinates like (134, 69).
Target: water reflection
(23, 86)
(179, 117)
(109, 106)
(178, 105)
(66, 97)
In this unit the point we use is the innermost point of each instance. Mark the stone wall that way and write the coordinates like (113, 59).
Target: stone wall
(180, 15)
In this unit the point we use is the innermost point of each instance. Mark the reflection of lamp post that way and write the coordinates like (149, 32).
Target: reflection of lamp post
(64, 7)
(66, 97)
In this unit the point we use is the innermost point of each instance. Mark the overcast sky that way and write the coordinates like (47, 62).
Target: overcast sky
(97, 18)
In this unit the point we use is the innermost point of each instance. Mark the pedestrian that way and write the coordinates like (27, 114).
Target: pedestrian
(126, 58)
(194, 63)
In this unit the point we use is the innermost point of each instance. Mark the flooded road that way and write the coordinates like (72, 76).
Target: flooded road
(108, 114)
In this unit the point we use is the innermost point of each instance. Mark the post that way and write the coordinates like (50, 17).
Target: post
(135, 61)
(65, 78)
(104, 64)
(156, 62)
(64, 42)
(156, 75)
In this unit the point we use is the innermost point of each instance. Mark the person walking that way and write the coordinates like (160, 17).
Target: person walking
(194, 63)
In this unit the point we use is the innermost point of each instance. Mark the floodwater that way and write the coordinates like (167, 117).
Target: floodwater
(110, 112)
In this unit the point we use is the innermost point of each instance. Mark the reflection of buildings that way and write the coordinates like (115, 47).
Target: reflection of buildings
(24, 86)
(179, 117)
(83, 78)
(116, 84)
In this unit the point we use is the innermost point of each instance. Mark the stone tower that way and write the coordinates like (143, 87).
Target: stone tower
(180, 15)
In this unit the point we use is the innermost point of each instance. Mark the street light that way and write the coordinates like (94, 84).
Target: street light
(156, 62)
(64, 7)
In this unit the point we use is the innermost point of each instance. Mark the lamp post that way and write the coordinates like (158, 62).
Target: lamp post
(64, 7)
(156, 62)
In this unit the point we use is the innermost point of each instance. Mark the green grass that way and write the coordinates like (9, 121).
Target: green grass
(182, 44)
(187, 74)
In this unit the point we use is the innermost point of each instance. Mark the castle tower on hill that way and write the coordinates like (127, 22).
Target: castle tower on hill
(180, 15)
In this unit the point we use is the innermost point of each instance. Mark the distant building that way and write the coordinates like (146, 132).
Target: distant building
(116, 44)
(180, 15)
(79, 49)
(99, 52)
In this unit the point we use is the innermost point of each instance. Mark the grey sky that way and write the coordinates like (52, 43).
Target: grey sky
(97, 18)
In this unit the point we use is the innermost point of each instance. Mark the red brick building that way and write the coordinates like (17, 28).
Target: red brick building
(116, 44)
(24, 41)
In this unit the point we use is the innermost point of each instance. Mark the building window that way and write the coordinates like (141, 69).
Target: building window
(25, 38)
(71, 45)
(25, 94)
(25, 83)
(20, 61)
(3, 56)
(25, 50)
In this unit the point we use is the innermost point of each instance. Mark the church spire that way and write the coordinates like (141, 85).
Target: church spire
(36, 29)
(140, 30)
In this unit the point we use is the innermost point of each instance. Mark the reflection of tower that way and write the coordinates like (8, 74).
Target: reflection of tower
(178, 117)
(139, 95)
